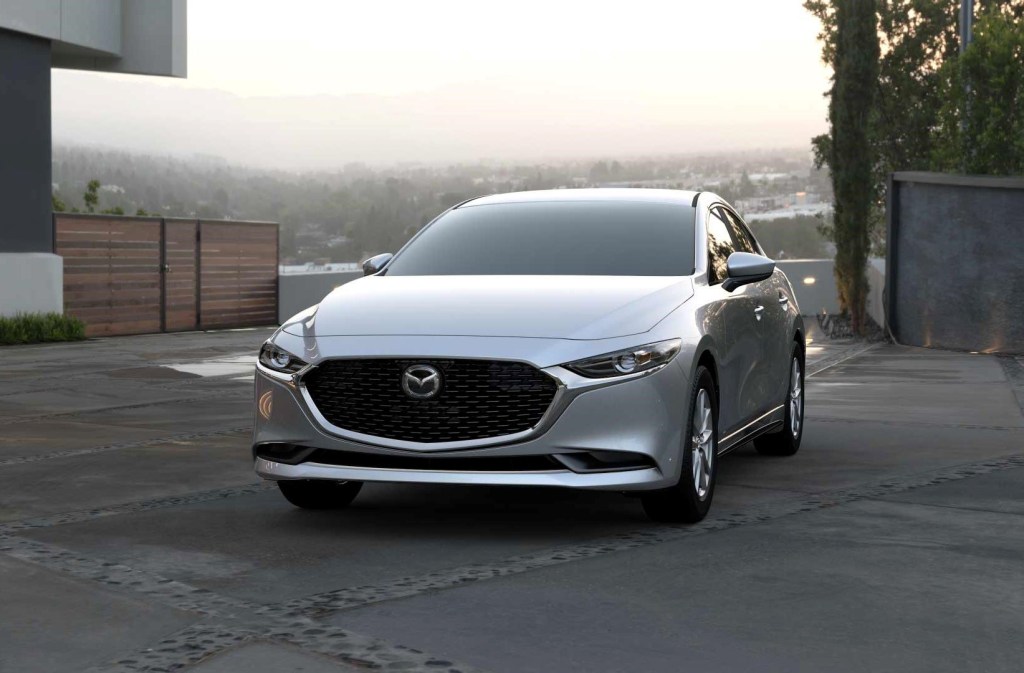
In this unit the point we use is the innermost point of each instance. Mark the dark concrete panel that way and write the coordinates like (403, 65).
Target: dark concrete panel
(260, 548)
(20, 441)
(176, 468)
(995, 492)
(270, 657)
(956, 263)
(25, 150)
(867, 586)
(51, 623)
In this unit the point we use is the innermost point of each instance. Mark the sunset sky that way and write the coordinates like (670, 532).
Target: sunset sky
(335, 80)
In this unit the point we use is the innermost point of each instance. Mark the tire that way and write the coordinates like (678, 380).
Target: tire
(320, 494)
(786, 442)
(689, 500)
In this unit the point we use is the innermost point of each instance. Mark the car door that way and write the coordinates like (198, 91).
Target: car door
(739, 334)
(771, 374)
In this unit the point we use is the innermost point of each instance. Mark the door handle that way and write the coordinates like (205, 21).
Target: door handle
(783, 299)
(758, 311)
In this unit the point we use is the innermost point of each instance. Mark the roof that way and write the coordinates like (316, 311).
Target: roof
(679, 196)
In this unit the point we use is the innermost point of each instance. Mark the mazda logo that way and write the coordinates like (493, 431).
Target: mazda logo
(421, 382)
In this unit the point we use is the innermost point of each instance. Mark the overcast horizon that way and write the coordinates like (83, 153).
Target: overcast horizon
(324, 84)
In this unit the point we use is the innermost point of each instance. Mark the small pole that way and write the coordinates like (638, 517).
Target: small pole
(966, 23)
(966, 35)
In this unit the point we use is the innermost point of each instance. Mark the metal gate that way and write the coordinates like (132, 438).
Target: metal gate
(137, 275)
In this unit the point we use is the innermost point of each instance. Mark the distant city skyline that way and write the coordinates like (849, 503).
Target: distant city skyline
(321, 84)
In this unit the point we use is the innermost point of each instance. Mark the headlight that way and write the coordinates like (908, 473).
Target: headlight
(274, 358)
(629, 361)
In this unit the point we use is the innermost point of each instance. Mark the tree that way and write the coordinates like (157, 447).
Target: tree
(981, 122)
(851, 158)
(599, 172)
(919, 100)
(58, 205)
(916, 37)
(91, 196)
(918, 41)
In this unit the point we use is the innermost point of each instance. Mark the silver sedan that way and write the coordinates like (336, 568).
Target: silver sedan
(612, 339)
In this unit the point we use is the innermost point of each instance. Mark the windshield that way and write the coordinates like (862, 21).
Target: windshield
(585, 238)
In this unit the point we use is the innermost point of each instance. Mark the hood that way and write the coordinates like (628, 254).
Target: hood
(556, 307)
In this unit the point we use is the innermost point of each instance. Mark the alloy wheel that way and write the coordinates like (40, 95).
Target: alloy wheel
(796, 398)
(703, 443)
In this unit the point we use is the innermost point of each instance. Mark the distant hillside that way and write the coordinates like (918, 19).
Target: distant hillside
(346, 214)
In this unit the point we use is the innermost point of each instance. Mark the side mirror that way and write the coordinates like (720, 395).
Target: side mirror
(744, 268)
(376, 263)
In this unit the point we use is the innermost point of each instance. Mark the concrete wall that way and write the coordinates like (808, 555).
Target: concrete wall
(25, 151)
(298, 291)
(131, 36)
(876, 291)
(144, 37)
(85, 24)
(956, 261)
(31, 283)
(153, 42)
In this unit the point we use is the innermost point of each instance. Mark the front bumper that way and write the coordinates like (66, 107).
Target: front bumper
(627, 480)
(642, 417)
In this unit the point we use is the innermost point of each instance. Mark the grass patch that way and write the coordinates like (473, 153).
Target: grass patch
(34, 328)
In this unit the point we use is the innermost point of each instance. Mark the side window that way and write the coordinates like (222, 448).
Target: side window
(720, 246)
(740, 233)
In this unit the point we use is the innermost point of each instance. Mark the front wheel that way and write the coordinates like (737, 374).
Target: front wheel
(690, 499)
(320, 493)
(786, 442)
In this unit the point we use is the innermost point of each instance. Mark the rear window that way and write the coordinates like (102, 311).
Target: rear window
(584, 238)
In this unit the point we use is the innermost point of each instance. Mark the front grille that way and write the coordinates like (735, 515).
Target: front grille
(478, 399)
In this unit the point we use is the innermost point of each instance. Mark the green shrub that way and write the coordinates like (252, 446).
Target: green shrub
(31, 328)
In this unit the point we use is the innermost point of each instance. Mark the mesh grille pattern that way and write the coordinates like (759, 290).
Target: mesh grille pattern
(478, 399)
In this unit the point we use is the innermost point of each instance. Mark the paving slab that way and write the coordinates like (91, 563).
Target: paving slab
(924, 580)
(269, 658)
(95, 400)
(911, 386)
(209, 413)
(995, 492)
(836, 455)
(865, 586)
(260, 548)
(52, 435)
(96, 480)
(51, 623)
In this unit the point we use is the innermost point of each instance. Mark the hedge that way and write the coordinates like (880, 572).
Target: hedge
(31, 328)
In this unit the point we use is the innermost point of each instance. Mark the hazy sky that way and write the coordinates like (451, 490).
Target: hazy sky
(326, 82)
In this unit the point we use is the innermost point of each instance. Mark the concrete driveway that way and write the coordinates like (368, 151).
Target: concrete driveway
(133, 536)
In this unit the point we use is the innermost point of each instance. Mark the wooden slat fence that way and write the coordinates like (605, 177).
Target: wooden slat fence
(181, 282)
(111, 273)
(136, 275)
(238, 274)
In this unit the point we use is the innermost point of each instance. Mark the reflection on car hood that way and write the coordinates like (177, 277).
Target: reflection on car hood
(558, 307)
